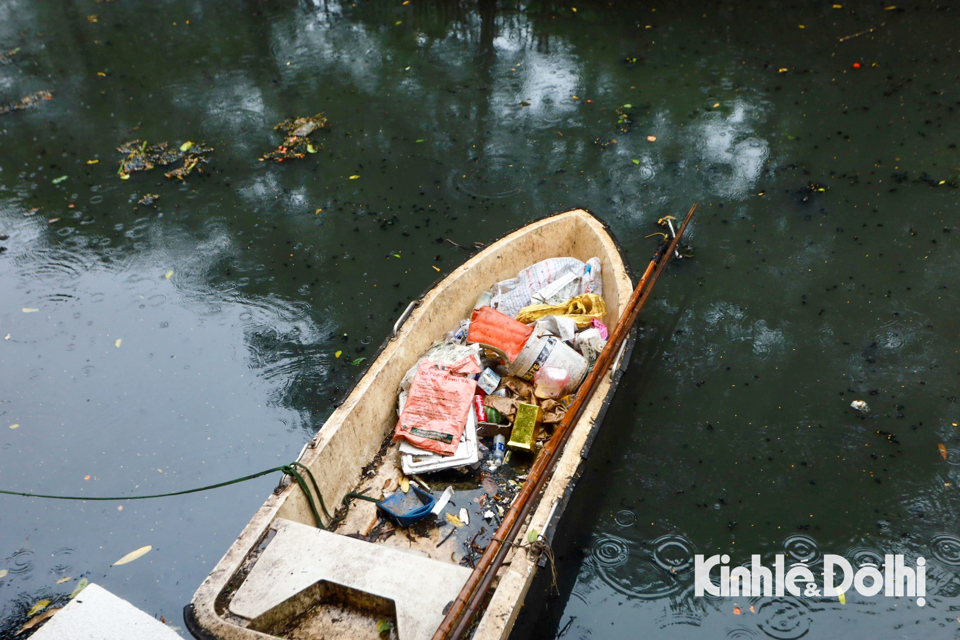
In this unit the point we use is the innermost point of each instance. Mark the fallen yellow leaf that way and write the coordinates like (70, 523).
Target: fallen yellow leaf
(62, 580)
(842, 597)
(405, 484)
(337, 354)
(30, 310)
(13, 426)
(119, 340)
(354, 177)
(30, 624)
(651, 138)
(133, 555)
(169, 274)
(943, 450)
(40, 606)
(93, 162)
(454, 520)
(4, 572)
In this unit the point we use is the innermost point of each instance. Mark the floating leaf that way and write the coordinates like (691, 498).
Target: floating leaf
(186, 146)
(58, 180)
(311, 148)
(168, 274)
(454, 520)
(635, 161)
(80, 587)
(404, 484)
(37, 608)
(628, 106)
(651, 138)
(30, 310)
(46, 615)
(93, 161)
(337, 354)
(13, 426)
(4, 572)
(419, 141)
(354, 177)
(358, 361)
(842, 597)
(62, 580)
(133, 555)
(384, 626)
(532, 535)
(119, 340)
(943, 450)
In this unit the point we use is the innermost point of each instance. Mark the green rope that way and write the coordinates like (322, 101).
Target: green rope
(284, 468)
(289, 469)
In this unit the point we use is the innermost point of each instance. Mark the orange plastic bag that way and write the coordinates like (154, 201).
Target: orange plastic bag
(435, 413)
(490, 327)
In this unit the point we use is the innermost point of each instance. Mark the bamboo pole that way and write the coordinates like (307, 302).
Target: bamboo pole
(462, 610)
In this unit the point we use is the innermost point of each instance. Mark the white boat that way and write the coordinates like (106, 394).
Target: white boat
(286, 576)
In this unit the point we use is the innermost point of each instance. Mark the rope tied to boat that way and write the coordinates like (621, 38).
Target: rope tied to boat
(292, 470)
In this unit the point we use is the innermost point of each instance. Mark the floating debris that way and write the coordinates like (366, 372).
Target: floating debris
(6, 57)
(860, 405)
(297, 143)
(624, 119)
(26, 102)
(149, 199)
(142, 157)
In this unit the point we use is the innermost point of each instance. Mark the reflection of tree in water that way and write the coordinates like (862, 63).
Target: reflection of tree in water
(487, 87)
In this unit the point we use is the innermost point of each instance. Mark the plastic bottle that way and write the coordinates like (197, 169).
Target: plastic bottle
(499, 447)
(550, 382)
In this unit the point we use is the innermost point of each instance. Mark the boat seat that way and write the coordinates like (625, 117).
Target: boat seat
(302, 563)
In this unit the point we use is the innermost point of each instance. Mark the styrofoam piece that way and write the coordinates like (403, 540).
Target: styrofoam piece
(415, 461)
(442, 501)
(97, 614)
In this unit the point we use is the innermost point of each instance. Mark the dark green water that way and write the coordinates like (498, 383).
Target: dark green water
(825, 271)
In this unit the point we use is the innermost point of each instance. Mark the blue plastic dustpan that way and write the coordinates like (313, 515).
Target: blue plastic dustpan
(408, 508)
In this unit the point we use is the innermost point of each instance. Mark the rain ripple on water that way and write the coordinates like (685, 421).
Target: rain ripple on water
(646, 572)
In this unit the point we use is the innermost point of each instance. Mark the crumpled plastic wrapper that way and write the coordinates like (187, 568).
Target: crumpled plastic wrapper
(581, 309)
(522, 391)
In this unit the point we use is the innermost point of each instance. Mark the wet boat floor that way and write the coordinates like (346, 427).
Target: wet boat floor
(483, 490)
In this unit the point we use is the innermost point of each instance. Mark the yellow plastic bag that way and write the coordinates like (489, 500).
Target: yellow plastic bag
(581, 309)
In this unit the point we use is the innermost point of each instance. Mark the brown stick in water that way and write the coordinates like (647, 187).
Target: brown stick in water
(467, 603)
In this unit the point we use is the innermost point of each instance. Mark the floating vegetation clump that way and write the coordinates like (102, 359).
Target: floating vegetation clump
(139, 156)
(26, 102)
(297, 143)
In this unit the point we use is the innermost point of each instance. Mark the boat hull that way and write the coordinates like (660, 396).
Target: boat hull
(353, 434)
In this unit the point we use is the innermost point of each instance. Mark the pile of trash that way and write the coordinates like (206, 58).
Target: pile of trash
(296, 143)
(497, 384)
(139, 156)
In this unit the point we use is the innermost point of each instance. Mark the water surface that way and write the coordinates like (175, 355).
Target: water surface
(825, 272)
